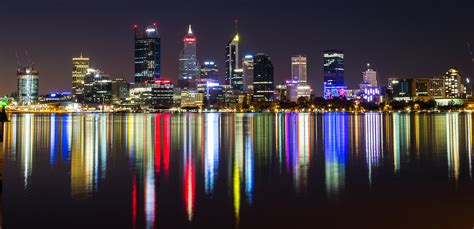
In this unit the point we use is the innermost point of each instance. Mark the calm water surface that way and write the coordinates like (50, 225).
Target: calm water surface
(238, 170)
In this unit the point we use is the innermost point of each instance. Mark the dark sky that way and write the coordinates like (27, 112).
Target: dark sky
(400, 38)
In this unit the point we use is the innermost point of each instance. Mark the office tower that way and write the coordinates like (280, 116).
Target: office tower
(28, 85)
(402, 89)
(420, 88)
(334, 74)
(453, 84)
(79, 71)
(188, 64)
(436, 88)
(120, 89)
(97, 87)
(369, 77)
(162, 94)
(147, 54)
(233, 75)
(209, 70)
(299, 69)
(291, 90)
(263, 78)
(247, 67)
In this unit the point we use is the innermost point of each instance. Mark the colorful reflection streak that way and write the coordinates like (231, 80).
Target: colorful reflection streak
(452, 134)
(373, 130)
(335, 151)
(211, 154)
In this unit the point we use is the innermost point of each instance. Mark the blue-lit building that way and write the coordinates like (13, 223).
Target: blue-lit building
(147, 54)
(188, 64)
(263, 82)
(334, 86)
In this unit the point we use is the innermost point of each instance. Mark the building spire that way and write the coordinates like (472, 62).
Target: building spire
(190, 31)
(236, 25)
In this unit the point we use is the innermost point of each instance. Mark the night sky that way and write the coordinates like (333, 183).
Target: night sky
(400, 38)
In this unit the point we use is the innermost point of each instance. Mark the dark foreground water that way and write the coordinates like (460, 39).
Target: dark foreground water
(330, 170)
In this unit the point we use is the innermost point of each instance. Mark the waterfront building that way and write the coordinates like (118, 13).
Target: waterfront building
(453, 84)
(27, 85)
(291, 90)
(79, 71)
(120, 89)
(247, 67)
(192, 99)
(209, 70)
(97, 87)
(188, 64)
(299, 69)
(147, 54)
(234, 75)
(402, 89)
(56, 97)
(263, 80)
(161, 93)
(369, 77)
(372, 94)
(334, 86)
(281, 92)
(436, 88)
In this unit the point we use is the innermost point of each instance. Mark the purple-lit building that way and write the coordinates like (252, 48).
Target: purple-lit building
(334, 86)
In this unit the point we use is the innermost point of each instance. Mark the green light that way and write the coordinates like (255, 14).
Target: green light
(3, 103)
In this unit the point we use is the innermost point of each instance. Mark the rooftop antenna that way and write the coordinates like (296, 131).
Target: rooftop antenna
(470, 51)
(236, 25)
(17, 59)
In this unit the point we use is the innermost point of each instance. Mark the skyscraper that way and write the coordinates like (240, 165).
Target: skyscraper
(188, 64)
(28, 84)
(147, 54)
(263, 78)
(299, 69)
(369, 77)
(334, 74)
(233, 76)
(247, 65)
(209, 70)
(79, 71)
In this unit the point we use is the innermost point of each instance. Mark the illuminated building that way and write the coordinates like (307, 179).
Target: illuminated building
(436, 88)
(369, 77)
(209, 70)
(233, 74)
(291, 90)
(299, 69)
(55, 97)
(147, 54)
(402, 89)
(97, 87)
(420, 88)
(334, 86)
(188, 64)
(28, 83)
(119, 89)
(453, 83)
(263, 78)
(161, 93)
(371, 94)
(247, 67)
(192, 99)
(79, 71)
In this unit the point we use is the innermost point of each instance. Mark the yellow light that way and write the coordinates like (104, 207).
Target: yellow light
(236, 38)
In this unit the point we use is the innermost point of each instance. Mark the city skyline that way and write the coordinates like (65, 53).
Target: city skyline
(400, 55)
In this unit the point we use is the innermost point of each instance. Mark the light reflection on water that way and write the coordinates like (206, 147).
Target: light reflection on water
(188, 166)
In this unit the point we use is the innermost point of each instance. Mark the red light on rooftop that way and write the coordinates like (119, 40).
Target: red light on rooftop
(161, 81)
(154, 24)
(135, 26)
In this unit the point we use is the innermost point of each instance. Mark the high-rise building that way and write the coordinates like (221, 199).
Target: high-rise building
(369, 77)
(299, 69)
(402, 89)
(28, 85)
(263, 83)
(120, 89)
(233, 76)
(453, 84)
(209, 70)
(334, 74)
(420, 88)
(436, 88)
(188, 64)
(247, 67)
(147, 54)
(97, 87)
(79, 71)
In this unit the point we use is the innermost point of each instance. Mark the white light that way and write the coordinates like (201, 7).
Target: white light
(150, 30)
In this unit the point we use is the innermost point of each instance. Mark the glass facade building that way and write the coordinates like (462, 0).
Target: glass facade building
(263, 82)
(334, 74)
(28, 85)
(188, 64)
(234, 75)
(147, 54)
(79, 71)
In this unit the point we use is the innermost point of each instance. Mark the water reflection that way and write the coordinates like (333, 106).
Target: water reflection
(182, 168)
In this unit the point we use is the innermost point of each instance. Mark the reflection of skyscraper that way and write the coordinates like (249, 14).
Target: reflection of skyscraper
(263, 78)
(79, 71)
(188, 64)
(335, 151)
(334, 74)
(28, 83)
(147, 54)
